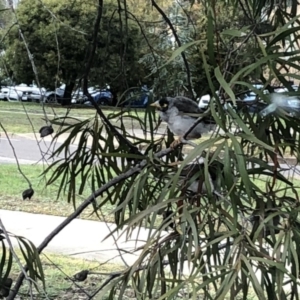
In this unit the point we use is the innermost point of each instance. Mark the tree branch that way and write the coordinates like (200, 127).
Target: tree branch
(81, 208)
(121, 139)
(15, 155)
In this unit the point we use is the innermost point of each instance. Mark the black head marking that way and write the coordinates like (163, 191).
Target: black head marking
(164, 104)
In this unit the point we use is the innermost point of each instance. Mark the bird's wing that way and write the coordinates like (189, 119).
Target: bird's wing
(190, 108)
(192, 169)
(186, 105)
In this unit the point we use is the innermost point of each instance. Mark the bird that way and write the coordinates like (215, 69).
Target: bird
(192, 181)
(179, 113)
(28, 193)
(5, 287)
(192, 177)
(46, 130)
(81, 276)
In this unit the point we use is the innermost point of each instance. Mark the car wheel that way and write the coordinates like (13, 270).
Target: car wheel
(104, 101)
(51, 99)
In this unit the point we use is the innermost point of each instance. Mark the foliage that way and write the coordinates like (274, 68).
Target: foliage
(221, 243)
(58, 36)
(194, 24)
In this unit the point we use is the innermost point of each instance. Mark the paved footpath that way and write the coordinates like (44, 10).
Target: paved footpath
(81, 238)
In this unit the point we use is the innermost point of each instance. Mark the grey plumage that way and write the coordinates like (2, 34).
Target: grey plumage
(193, 175)
(174, 111)
(259, 215)
(192, 178)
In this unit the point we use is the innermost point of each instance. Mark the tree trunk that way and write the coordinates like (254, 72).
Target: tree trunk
(66, 100)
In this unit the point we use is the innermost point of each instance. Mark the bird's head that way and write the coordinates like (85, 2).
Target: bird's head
(162, 104)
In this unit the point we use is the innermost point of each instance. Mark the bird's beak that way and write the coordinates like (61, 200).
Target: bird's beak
(156, 105)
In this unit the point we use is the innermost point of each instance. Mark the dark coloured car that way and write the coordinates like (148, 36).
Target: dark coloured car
(137, 98)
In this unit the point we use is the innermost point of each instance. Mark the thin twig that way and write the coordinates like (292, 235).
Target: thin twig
(30, 56)
(121, 139)
(186, 64)
(199, 120)
(15, 155)
(115, 240)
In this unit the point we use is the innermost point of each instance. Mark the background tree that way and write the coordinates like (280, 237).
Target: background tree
(58, 36)
(219, 242)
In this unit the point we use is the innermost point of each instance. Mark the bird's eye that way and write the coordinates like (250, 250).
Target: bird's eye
(165, 105)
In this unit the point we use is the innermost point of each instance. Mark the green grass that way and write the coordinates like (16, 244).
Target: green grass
(58, 270)
(44, 199)
(15, 120)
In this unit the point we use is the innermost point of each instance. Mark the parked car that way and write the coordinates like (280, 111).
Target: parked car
(101, 96)
(137, 98)
(255, 104)
(34, 94)
(55, 96)
(22, 92)
(79, 98)
(3, 93)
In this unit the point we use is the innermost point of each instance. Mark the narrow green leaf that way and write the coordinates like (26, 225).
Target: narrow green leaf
(181, 49)
(257, 287)
(225, 85)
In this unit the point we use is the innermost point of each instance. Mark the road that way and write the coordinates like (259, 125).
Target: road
(32, 151)
(27, 150)
(30, 148)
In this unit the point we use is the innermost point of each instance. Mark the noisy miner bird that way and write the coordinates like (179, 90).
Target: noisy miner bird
(46, 130)
(192, 177)
(28, 193)
(179, 113)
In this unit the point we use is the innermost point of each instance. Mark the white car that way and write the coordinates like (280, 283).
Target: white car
(11, 94)
(34, 94)
(4, 93)
(22, 92)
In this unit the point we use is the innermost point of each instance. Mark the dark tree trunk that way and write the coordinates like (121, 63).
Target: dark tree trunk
(66, 100)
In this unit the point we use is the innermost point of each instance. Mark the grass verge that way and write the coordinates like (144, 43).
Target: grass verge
(59, 271)
(15, 120)
(44, 199)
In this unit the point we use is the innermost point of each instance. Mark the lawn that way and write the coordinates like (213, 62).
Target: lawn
(59, 271)
(30, 117)
(44, 200)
